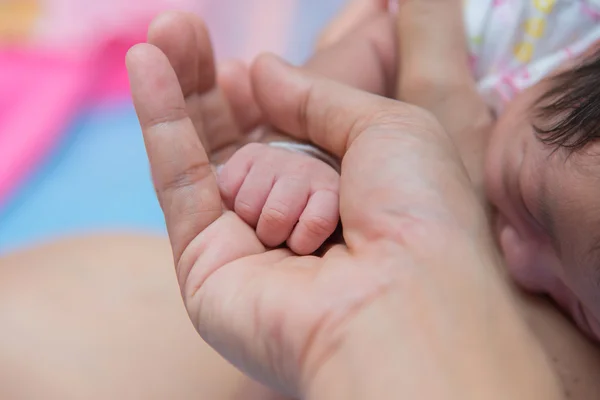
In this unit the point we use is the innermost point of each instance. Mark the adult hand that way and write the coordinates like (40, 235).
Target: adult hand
(222, 122)
(430, 66)
(352, 16)
(409, 279)
(434, 73)
(220, 102)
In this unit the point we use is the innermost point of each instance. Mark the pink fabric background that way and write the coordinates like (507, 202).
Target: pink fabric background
(71, 54)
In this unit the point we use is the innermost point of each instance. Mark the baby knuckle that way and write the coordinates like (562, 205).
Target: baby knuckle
(275, 215)
(330, 180)
(319, 226)
(244, 209)
(307, 167)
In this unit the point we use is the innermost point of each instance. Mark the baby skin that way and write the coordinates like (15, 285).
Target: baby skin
(538, 175)
(289, 197)
(288, 191)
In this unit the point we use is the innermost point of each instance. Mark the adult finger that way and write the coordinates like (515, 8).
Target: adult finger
(435, 73)
(297, 90)
(182, 174)
(365, 58)
(370, 50)
(434, 59)
(433, 47)
(184, 38)
(199, 231)
(398, 163)
(234, 80)
(352, 15)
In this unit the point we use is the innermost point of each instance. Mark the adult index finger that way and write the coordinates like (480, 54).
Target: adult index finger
(182, 174)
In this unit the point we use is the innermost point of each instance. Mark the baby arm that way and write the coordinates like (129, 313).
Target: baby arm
(288, 195)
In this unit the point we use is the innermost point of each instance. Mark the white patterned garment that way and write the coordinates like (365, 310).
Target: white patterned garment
(516, 43)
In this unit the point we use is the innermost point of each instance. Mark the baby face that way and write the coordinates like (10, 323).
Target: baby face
(548, 202)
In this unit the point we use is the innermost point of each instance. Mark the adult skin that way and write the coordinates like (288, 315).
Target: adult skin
(68, 330)
(418, 261)
(182, 167)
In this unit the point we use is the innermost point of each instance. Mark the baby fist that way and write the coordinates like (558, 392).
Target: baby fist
(287, 196)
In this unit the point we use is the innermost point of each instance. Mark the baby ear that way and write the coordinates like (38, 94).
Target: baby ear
(524, 256)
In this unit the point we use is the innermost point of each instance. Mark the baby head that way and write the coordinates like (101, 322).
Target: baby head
(543, 176)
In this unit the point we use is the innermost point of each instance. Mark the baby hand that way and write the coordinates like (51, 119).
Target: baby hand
(286, 196)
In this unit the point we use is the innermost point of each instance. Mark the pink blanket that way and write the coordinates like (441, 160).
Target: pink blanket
(59, 55)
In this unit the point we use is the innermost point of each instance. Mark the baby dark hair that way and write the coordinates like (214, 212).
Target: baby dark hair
(571, 108)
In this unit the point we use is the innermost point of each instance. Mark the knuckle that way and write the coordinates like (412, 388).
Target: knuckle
(392, 125)
(245, 210)
(275, 215)
(319, 226)
(304, 166)
(300, 167)
(167, 116)
(193, 175)
(387, 114)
